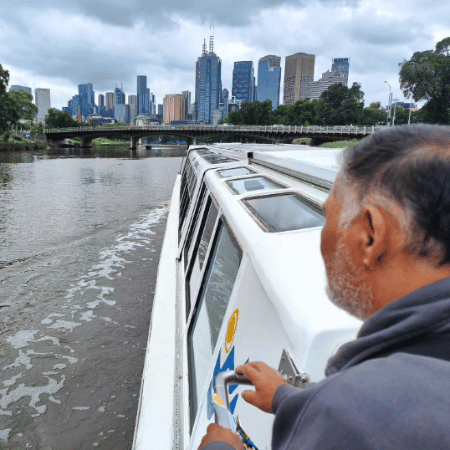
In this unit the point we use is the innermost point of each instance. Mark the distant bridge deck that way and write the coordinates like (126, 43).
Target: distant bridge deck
(268, 133)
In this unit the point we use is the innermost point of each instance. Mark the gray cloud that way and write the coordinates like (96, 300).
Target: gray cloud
(109, 42)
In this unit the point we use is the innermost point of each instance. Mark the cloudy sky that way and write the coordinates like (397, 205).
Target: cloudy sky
(59, 44)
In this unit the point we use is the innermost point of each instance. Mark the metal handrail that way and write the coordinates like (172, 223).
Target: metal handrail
(282, 129)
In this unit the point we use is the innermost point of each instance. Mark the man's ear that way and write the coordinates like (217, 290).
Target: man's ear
(371, 236)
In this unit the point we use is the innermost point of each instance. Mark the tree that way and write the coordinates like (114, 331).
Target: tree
(426, 76)
(340, 105)
(252, 113)
(298, 113)
(374, 115)
(37, 129)
(59, 119)
(9, 115)
(25, 107)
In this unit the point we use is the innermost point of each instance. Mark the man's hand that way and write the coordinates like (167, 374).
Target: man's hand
(266, 382)
(216, 433)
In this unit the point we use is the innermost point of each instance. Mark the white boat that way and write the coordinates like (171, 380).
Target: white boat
(241, 278)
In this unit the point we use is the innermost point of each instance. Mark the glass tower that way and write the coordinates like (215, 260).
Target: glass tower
(142, 95)
(208, 84)
(269, 79)
(243, 81)
(342, 66)
(87, 98)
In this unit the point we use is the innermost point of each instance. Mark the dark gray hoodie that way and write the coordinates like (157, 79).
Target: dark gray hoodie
(388, 389)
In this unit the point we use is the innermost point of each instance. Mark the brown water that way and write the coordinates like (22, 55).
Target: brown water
(79, 245)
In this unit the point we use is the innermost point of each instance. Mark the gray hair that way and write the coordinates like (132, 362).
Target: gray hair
(410, 166)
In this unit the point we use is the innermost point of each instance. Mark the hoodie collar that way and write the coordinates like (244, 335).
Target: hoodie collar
(421, 312)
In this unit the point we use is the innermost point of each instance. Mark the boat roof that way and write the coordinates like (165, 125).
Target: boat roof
(288, 262)
(300, 161)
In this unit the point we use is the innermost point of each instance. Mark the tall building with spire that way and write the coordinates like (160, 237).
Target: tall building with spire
(208, 84)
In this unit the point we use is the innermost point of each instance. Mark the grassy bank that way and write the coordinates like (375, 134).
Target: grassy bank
(102, 141)
(336, 144)
(22, 145)
(340, 144)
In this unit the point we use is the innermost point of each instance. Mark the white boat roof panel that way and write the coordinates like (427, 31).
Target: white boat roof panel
(318, 163)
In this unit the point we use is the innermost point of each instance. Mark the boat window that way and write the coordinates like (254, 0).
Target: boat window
(242, 186)
(199, 253)
(215, 294)
(236, 172)
(188, 181)
(193, 224)
(217, 159)
(285, 212)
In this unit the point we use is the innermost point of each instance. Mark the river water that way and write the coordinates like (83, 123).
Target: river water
(80, 238)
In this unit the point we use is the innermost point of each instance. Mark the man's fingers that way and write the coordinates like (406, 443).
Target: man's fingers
(250, 397)
(250, 371)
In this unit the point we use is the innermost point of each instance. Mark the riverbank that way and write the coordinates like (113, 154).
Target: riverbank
(29, 145)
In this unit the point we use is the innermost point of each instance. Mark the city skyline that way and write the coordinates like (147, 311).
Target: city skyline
(88, 43)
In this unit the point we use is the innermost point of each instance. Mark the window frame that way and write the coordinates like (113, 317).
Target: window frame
(192, 389)
(267, 227)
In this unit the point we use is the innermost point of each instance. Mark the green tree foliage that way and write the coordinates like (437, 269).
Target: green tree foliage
(9, 114)
(340, 105)
(24, 102)
(302, 112)
(252, 113)
(374, 115)
(426, 76)
(37, 129)
(59, 119)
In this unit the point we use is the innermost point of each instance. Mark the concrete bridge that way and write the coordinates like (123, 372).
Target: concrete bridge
(268, 133)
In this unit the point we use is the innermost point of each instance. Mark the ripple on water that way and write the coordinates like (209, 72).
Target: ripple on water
(77, 309)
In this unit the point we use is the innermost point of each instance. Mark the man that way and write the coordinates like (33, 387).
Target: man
(386, 247)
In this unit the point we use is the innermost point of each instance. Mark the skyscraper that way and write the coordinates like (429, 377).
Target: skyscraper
(101, 104)
(42, 100)
(119, 99)
(73, 104)
(142, 95)
(87, 98)
(187, 96)
(122, 113)
(16, 87)
(243, 81)
(342, 66)
(298, 71)
(174, 108)
(269, 79)
(109, 104)
(208, 84)
(132, 101)
(314, 89)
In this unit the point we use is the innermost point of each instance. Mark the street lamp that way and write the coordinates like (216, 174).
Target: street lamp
(395, 108)
(389, 107)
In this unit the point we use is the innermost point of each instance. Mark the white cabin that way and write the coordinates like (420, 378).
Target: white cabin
(241, 278)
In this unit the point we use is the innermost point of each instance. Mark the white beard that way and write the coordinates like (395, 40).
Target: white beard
(342, 275)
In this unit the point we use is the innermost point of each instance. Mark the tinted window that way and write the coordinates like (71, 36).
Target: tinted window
(216, 158)
(199, 253)
(215, 294)
(252, 184)
(193, 224)
(285, 212)
(238, 171)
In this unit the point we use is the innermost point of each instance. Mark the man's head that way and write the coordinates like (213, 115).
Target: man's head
(388, 218)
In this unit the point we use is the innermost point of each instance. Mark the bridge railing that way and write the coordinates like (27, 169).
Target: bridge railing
(281, 129)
